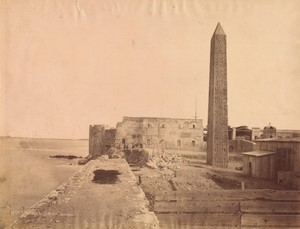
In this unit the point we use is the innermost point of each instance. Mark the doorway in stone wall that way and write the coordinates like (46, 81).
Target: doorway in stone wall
(193, 143)
(123, 143)
(178, 143)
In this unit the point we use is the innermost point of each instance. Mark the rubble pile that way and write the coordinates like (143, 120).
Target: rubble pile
(115, 153)
(85, 160)
(165, 160)
(137, 157)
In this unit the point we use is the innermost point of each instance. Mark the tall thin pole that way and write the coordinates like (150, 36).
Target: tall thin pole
(196, 107)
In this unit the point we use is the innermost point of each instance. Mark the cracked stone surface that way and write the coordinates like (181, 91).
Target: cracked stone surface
(81, 203)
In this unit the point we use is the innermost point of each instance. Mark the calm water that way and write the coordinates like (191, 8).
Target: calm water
(27, 173)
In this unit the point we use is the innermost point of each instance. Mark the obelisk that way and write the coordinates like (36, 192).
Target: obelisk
(217, 136)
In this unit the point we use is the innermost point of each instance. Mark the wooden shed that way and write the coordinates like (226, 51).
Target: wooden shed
(287, 152)
(260, 164)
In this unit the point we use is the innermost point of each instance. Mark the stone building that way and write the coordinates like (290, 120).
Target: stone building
(269, 132)
(256, 133)
(217, 136)
(240, 139)
(168, 133)
(244, 132)
(240, 132)
(241, 145)
(272, 132)
(287, 133)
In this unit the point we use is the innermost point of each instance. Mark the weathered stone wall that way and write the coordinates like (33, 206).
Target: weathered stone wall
(109, 138)
(100, 139)
(256, 133)
(243, 132)
(96, 135)
(165, 133)
(240, 146)
(287, 133)
(217, 138)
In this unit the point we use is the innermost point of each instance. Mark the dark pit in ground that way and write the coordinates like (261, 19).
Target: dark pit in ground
(102, 176)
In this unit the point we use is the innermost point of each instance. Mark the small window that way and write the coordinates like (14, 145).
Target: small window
(133, 136)
(193, 143)
(179, 126)
(194, 126)
(163, 126)
(178, 143)
(149, 125)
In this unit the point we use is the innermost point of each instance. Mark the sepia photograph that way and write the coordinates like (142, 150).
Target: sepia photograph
(149, 114)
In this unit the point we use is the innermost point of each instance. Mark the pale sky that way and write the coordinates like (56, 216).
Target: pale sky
(66, 64)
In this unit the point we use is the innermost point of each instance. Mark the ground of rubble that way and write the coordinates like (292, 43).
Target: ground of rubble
(182, 171)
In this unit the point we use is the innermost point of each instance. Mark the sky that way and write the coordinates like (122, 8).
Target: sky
(66, 64)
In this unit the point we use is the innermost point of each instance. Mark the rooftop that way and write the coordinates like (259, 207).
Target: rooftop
(258, 153)
(288, 131)
(161, 118)
(279, 140)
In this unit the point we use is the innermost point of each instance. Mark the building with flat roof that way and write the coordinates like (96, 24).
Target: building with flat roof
(153, 132)
(260, 164)
(272, 132)
(276, 158)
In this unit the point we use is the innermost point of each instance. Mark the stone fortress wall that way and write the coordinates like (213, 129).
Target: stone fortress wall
(96, 135)
(167, 133)
(100, 139)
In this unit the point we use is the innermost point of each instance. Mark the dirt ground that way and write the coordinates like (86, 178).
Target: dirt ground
(27, 173)
(193, 174)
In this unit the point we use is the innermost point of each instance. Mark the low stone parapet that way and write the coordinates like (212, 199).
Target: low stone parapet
(89, 200)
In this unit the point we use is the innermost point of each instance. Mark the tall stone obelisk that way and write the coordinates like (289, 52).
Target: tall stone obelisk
(217, 136)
